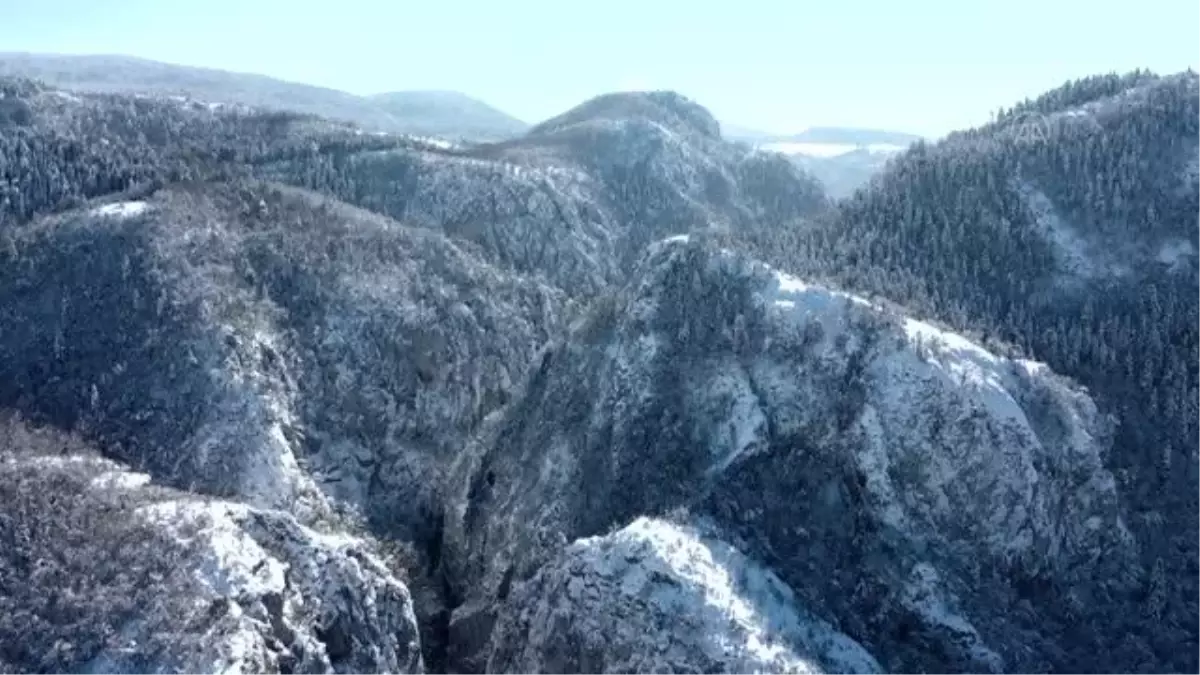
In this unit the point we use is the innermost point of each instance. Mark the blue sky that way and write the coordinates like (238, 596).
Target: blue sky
(912, 65)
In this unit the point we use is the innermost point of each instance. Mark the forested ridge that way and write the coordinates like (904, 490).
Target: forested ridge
(1066, 230)
(58, 149)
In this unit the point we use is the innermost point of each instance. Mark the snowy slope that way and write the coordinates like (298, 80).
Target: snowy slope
(269, 344)
(577, 198)
(245, 590)
(659, 597)
(858, 454)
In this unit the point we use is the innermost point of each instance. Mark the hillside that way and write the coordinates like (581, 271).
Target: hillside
(881, 467)
(616, 394)
(441, 114)
(580, 195)
(1069, 229)
(263, 344)
(117, 574)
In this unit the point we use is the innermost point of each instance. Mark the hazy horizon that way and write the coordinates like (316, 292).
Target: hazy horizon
(924, 68)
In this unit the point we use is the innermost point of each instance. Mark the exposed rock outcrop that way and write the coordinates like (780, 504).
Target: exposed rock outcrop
(663, 597)
(172, 582)
(925, 495)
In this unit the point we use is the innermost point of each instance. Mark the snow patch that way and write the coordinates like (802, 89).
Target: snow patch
(876, 465)
(233, 563)
(50, 461)
(1191, 171)
(922, 595)
(120, 209)
(1175, 253)
(961, 362)
(1070, 247)
(741, 425)
(969, 366)
(932, 373)
(430, 141)
(120, 480)
(810, 302)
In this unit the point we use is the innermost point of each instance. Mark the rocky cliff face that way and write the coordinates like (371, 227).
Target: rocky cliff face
(162, 581)
(660, 597)
(908, 485)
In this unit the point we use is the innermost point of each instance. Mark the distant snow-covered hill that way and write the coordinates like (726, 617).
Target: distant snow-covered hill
(841, 158)
(432, 113)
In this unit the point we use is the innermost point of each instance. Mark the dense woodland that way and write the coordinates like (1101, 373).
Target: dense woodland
(56, 152)
(947, 230)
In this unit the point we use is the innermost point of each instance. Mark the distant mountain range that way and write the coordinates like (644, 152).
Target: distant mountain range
(852, 136)
(842, 158)
(446, 114)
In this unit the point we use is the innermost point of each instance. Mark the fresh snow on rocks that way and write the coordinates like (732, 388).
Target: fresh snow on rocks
(660, 597)
(245, 590)
(120, 209)
(851, 448)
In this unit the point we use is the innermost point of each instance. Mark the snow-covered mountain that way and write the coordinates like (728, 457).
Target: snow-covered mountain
(657, 597)
(906, 483)
(125, 576)
(537, 402)
(579, 196)
(431, 113)
(268, 344)
(280, 348)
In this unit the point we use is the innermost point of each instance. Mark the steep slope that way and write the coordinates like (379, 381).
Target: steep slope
(424, 113)
(265, 343)
(578, 197)
(287, 351)
(1068, 227)
(675, 599)
(161, 581)
(575, 202)
(945, 507)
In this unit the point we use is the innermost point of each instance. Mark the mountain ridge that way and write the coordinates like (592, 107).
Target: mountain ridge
(703, 344)
(416, 112)
(1071, 227)
(618, 374)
